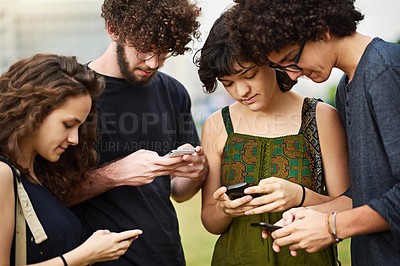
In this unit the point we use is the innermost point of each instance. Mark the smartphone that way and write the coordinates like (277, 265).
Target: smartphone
(266, 226)
(237, 191)
(180, 152)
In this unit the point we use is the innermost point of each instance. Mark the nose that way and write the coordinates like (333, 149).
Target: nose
(294, 75)
(73, 138)
(242, 89)
(152, 62)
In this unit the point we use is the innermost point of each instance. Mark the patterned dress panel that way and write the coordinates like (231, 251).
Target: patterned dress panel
(296, 158)
(248, 158)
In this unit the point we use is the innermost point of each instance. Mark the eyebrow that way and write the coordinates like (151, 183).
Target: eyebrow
(75, 120)
(286, 57)
(241, 73)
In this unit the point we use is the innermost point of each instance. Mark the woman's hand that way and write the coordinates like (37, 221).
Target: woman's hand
(277, 195)
(104, 245)
(231, 208)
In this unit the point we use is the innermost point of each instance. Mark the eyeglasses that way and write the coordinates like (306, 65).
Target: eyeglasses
(148, 55)
(292, 67)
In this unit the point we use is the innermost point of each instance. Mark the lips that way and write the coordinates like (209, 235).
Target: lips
(250, 99)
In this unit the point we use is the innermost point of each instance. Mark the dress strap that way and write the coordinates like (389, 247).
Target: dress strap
(227, 120)
(309, 130)
(26, 208)
(308, 119)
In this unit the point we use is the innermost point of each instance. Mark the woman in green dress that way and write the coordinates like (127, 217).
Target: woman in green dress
(291, 149)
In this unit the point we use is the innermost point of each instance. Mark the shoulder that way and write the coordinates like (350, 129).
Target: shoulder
(169, 81)
(325, 109)
(328, 119)
(214, 121)
(171, 86)
(6, 175)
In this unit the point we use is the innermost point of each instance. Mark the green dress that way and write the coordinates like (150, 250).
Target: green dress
(249, 159)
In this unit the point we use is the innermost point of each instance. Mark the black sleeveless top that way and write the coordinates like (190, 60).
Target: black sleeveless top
(62, 227)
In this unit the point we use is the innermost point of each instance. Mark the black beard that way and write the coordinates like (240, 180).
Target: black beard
(125, 71)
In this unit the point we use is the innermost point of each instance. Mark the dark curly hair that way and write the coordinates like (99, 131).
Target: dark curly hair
(218, 59)
(29, 91)
(161, 25)
(259, 27)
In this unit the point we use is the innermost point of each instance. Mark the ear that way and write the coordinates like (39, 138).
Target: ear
(326, 36)
(110, 30)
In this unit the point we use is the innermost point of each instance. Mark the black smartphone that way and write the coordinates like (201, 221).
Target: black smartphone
(266, 226)
(236, 191)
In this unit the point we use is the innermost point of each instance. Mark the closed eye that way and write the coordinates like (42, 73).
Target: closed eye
(68, 125)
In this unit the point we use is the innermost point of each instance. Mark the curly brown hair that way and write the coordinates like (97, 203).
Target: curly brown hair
(259, 27)
(29, 91)
(155, 24)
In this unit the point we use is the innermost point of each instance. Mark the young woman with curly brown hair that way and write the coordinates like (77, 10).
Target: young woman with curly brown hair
(310, 38)
(46, 146)
(143, 114)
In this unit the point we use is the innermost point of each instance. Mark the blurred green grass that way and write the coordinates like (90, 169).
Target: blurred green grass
(198, 244)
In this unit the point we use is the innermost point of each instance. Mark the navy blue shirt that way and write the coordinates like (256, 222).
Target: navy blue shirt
(369, 107)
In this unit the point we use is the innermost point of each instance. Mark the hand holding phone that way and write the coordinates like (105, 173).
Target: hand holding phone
(237, 191)
(266, 226)
(180, 152)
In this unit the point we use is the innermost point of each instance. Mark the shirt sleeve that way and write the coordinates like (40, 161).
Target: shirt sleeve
(385, 97)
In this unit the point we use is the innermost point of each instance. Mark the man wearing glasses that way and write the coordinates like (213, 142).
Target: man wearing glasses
(310, 38)
(143, 114)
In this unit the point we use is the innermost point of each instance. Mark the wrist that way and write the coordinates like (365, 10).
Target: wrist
(303, 196)
(331, 225)
(63, 260)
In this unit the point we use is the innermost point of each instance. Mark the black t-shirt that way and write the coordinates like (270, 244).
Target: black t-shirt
(153, 117)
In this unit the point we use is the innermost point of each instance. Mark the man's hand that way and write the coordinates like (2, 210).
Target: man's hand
(197, 165)
(187, 179)
(308, 231)
(140, 168)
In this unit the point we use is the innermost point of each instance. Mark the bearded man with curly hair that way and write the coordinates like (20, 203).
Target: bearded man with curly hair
(310, 38)
(143, 114)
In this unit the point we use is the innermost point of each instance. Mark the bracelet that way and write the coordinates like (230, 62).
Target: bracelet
(328, 224)
(303, 197)
(63, 260)
(334, 228)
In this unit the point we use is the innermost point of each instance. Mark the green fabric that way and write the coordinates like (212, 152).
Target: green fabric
(249, 159)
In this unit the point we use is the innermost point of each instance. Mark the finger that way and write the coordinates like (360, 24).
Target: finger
(199, 150)
(219, 193)
(124, 235)
(293, 253)
(265, 234)
(269, 207)
(276, 247)
(240, 202)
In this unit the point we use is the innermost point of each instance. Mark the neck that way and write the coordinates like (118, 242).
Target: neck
(350, 50)
(107, 63)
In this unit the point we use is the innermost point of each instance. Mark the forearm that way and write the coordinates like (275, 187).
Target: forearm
(73, 258)
(314, 198)
(359, 221)
(96, 182)
(183, 189)
(340, 203)
(214, 219)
